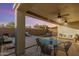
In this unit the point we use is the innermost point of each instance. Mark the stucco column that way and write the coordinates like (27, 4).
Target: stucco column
(19, 32)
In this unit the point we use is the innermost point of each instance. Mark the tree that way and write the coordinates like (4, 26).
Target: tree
(28, 27)
(2, 25)
(41, 27)
(10, 25)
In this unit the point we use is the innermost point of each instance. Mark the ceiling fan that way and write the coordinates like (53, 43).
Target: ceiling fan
(61, 18)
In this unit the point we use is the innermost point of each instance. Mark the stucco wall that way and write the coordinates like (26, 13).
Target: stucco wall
(67, 31)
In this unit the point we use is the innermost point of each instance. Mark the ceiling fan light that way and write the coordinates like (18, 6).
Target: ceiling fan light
(65, 23)
(59, 16)
(59, 20)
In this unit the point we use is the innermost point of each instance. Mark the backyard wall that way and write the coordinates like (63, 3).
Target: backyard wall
(35, 31)
(10, 31)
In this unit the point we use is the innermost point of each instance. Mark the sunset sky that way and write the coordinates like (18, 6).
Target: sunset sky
(7, 15)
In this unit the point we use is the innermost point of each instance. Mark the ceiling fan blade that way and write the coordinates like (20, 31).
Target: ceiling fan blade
(56, 11)
(65, 15)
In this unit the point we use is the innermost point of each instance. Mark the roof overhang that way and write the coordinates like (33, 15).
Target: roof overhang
(16, 6)
(47, 12)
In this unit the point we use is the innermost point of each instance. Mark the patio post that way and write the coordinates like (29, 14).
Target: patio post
(19, 32)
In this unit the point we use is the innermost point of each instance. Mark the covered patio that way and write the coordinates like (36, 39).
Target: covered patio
(45, 12)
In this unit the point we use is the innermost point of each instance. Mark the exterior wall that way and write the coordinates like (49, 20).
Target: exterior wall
(67, 31)
(54, 31)
(10, 31)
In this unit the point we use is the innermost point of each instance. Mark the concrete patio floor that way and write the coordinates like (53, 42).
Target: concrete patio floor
(32, 51)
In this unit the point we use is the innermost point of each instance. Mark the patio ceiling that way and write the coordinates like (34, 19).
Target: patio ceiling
(48, 12)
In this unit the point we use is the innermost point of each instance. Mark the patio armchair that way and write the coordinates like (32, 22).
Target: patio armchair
(65, 47)
(27, 34)
(38, 43)
(45, 50)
